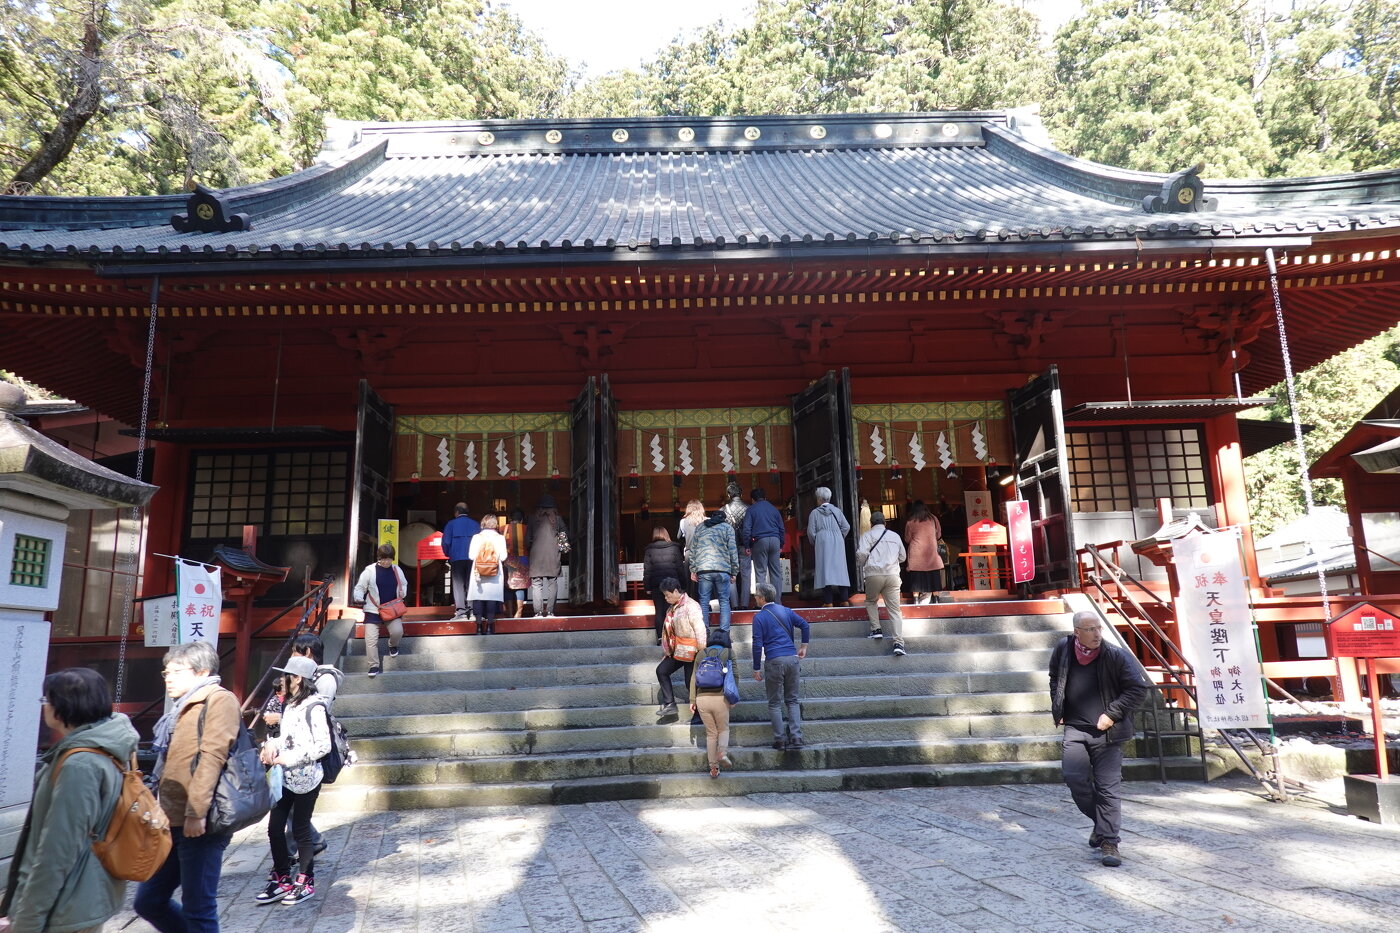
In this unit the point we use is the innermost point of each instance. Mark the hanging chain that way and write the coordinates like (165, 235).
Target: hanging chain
(135, 549)
(1297, 431)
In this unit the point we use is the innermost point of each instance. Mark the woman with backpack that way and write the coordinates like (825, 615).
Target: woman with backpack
(304, 739)
(708, 700)
(56, 882)
(487, 586)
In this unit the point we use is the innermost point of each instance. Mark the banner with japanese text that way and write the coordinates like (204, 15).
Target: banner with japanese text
(200, 596)
(1217, 630)
(1018, 528)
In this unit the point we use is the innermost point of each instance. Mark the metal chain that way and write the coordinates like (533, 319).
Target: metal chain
(135, 531)
(1297, 430)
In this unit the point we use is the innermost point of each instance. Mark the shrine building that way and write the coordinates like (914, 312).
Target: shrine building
(627, 313)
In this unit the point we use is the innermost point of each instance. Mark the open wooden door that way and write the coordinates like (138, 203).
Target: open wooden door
(824, 455)
(1042, 476)
(369, 489)
(583, 486)
(608, 517)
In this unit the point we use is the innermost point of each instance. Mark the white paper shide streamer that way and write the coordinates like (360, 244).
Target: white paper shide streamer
(916, 452)
(726, 455)
(527, 453)
(945, 453)
(444, 453)
(877, 445)
(979, 441)
(469, 456)
(502, 460)
(751, 445)
(658, 458)
(687, 465)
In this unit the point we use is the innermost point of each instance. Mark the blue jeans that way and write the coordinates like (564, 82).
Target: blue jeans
(715, 582)
(193, 866)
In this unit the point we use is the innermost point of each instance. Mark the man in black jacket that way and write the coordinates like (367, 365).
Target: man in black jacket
(1094, 688)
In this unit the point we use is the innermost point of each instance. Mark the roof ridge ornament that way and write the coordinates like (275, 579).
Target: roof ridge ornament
(205, 212)
(1182, 192)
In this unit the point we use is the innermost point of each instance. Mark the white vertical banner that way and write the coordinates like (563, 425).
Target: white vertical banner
(1217, 630)
(199, 593)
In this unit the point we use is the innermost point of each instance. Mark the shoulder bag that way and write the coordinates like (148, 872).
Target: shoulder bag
(241, 796)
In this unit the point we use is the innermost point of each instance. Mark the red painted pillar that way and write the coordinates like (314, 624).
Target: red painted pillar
(165, 516)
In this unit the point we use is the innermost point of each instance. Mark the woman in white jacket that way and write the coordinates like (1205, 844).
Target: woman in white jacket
(487, 590)
(304, 739)
(374, 587)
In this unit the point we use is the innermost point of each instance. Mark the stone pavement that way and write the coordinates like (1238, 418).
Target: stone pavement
(925, 860)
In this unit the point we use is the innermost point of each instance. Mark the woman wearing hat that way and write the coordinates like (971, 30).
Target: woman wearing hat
(547, 540)
(304, 739)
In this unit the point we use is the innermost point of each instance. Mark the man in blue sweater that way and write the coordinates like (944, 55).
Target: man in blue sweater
(775, 659)
(762, 532)
(456, 544)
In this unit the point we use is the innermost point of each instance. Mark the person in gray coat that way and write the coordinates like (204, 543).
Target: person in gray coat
(56, 884)
(827, 529)
(542, 538)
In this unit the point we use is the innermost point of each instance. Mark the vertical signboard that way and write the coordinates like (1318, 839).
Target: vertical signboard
(200, 596)
(160, 621)
(389, 534)
(1217, 630)
(1022, 547)
(25, 649)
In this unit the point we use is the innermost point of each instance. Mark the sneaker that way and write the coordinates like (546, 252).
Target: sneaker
(667, 710)
(1095, 840)
(877, 634)
(796, 743)
(1110, 855)
(393, 651)
(278, 887)
(304, 889)
(899, 651)
(374, 670)
(726, 762)
(320, 847)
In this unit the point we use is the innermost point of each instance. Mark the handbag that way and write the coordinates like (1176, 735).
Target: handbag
(562, 539)
(731, 686)
(242, 796)
(392, 609)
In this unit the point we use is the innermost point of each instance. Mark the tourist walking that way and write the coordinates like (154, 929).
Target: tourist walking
(55, 882)
(879, 553)
(763, 533)
(456, 544)
(487, 586)
(304, 739)
(379, 583)
(827, 529)
(327, 680)
(662, 560)
(192, 742)
(734, 512)
(683, 634)
(776, 657)
(547, 539)
(924, 570)
(707, 699)
(714, 563)
(517, 561)
(1094, 688)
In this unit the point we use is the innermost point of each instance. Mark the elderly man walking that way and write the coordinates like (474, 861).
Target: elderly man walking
(1094, 688)
(776, 657)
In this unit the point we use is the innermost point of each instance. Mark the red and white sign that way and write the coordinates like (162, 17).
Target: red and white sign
(1018, 529)
(978, 503)
(1364, 631)
(199, 596)
(986, 534)
(1217, 630)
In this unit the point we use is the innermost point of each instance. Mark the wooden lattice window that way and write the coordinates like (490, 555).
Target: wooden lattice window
(31, 561)
(1118, 469)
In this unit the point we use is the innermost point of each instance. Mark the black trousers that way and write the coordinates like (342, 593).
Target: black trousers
(1093, 770)
(664, 670)
(461, 579)
(300, 808)
(836, 595)
(658, 599)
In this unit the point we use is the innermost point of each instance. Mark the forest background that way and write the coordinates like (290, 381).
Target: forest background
(152, 96)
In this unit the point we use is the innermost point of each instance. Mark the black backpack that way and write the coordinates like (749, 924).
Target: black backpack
(335, 760)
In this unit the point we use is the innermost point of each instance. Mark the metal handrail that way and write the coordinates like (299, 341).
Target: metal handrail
(323, 589)
(321, 605)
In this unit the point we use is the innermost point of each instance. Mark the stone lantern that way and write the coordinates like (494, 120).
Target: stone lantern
(41, 482)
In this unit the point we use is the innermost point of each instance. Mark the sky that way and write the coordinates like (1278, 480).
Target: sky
(599, 36)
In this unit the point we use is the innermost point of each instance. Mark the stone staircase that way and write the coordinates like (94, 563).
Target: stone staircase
(569, 717)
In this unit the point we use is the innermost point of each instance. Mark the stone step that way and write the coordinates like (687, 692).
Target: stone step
(817, 664)
(863, 706)
(623, 638)
(450, 736)
(588, 697)
(363, 798)
(687, 758)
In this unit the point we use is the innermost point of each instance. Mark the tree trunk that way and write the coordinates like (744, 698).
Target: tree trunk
(86, 101)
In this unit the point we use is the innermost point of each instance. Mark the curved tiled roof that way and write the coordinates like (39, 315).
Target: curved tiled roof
(671, 185)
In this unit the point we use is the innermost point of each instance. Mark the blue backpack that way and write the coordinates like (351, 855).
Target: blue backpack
(710, 670)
